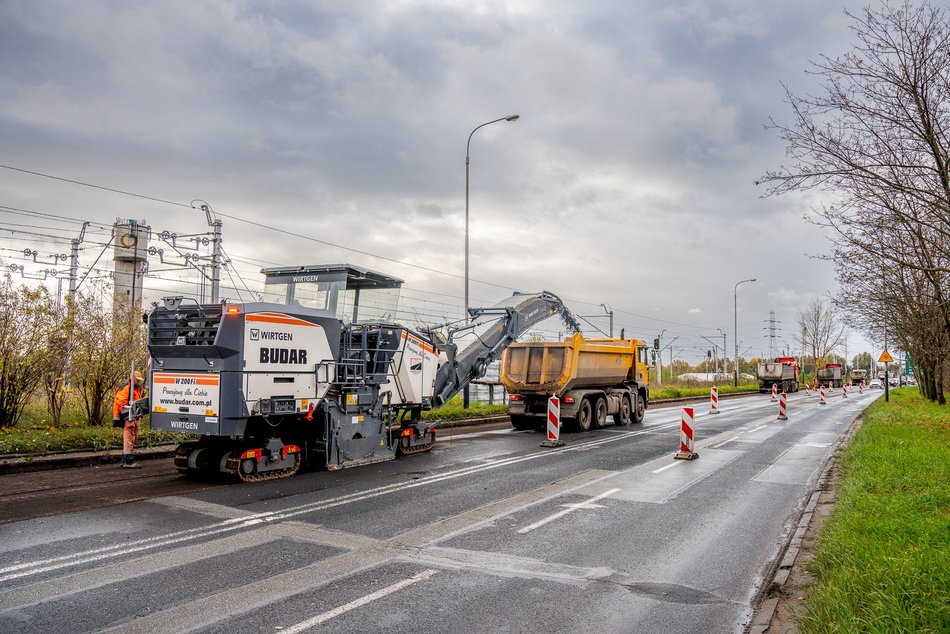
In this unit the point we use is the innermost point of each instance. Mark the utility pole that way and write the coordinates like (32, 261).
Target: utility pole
(610, 314)
(74, 259)
(215, 224)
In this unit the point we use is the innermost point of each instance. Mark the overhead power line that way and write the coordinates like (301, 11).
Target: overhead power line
(317, 240)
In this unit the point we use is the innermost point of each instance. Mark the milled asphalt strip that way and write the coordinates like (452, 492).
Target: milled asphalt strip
(17, 571)
(231, 603)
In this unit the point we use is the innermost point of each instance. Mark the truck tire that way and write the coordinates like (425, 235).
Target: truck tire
(639, 409)
(584, 415)
(622, 417)
(523, 423)
(600, 412)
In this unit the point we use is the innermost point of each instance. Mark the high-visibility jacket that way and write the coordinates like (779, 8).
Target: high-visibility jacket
(122, 399)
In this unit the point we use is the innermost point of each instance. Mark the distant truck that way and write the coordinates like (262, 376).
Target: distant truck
(781, 372)
(830, 375)
(593, 378)
(859, 377)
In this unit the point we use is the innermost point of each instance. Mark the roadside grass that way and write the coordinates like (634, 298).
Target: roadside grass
(35, 434)
(680, 391)
(453, 410)
(882, 563)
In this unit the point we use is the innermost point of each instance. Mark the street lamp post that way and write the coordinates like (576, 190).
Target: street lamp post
(735, 326)
(725, 354)
(511, 117)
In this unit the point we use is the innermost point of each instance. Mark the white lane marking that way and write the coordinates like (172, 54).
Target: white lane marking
(669, 466)
(725, 442)
(570, 509)
(56, 563)
(352, 605)
(98, 554)
(757, 428)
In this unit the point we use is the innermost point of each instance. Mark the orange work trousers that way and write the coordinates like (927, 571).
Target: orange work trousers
(130, 435)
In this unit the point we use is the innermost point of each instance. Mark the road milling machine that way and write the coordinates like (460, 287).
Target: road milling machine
(322, 375)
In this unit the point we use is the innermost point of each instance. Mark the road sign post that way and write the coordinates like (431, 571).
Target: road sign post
(886, 358)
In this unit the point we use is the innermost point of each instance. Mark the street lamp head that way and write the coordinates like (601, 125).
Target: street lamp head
(513, 117)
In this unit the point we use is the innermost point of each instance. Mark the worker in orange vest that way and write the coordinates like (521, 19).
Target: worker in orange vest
(120, 418)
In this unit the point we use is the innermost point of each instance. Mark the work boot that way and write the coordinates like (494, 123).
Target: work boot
(131, 465)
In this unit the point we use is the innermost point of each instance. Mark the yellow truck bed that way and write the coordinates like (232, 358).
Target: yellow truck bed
(555, 368)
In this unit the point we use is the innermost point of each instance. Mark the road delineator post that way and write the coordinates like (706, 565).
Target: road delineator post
(860, 388)
(714, 400)
(554, 424)
(783, 406)
(821, 396)
(807, 391)
(686, 436)
(844, 392)
(774, 392)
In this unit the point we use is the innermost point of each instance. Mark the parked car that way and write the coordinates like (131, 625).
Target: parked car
(876, 383)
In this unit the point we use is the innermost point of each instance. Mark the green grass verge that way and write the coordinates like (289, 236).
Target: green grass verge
(882, 563)
(453, 410)
(38, 440)
(679, 391)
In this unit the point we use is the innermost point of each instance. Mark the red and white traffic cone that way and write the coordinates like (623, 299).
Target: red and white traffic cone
(821, 397)
(774, 392)
(844, 392)
(807, 391)
(554, 424)
(860, 388)
(714, 400)
(686, 437)
(783, 407)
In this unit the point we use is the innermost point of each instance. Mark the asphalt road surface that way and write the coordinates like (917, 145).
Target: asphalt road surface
(487, 533)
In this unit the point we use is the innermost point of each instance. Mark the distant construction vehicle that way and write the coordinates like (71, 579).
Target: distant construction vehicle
(593, 378)
(859, 377)
(831, 375)
(782, 372)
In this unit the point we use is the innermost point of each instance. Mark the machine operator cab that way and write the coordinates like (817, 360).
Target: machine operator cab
(353, 294)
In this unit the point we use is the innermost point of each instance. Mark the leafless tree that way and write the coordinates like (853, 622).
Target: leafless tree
(820, 328)
(876, 141)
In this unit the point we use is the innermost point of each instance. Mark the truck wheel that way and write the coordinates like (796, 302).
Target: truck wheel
(600, 413)
(640, 410)
(622, 417)
(584, 415)
(523, 423)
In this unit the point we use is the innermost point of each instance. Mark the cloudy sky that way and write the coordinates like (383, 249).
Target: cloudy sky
(627, 181)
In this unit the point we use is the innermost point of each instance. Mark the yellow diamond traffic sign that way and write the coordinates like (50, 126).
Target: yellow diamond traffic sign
(886, 357)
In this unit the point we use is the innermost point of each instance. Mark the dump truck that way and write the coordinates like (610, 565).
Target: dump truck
(593, 378)
(859, 377)
(322, 376)
(781, 372)
(830, 375)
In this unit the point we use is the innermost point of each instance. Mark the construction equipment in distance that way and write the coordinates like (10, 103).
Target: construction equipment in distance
(830, 375)
(325, 378)
(594, 378)
(781, 372)
(859, 377)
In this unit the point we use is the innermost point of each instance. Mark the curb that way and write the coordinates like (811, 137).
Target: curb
(764, 612)
(47, 462)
